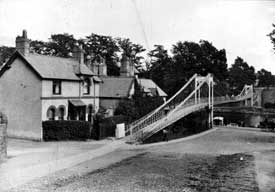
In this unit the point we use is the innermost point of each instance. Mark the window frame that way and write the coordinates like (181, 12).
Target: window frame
(87, 89)
(57, 82)
(61, 116)
(51, 113)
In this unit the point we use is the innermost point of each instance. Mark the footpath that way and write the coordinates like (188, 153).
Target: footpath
(28, 160)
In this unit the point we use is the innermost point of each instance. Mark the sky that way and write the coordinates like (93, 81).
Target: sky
(239, 26)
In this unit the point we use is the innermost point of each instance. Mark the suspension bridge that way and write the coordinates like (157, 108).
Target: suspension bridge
(195, 95)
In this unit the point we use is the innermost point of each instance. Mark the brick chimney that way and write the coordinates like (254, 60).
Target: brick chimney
(97, 64)
(22, 43)
(127, 67)
(78, 55)
(102, 67)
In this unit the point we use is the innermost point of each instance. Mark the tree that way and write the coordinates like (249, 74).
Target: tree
(265, 78)
(240, 73)
(62, 44)
(105, 47)
(41, 47)
(132, 50)
(190, 58)
(5, 54)
(213, 61)
(160, 65)
(139, 105)
(272, 36)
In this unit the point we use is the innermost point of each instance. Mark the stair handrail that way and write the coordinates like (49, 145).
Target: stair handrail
(204, 101)
(142, 119)
(178, 106)
(188, 97)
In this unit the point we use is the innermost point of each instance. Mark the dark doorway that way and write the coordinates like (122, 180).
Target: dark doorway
(77, 110)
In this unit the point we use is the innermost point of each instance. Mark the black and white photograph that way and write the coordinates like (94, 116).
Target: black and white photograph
(137, 95)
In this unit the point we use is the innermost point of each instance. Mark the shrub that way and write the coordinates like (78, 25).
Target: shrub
(66, 130)
(269, 105)
(106, 127)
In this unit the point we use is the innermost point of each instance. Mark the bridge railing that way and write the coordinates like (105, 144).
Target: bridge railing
(161, 111)
(180, 100)
(186, 107)
(185, 102)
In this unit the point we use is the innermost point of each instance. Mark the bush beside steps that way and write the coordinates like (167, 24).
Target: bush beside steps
(66, 130)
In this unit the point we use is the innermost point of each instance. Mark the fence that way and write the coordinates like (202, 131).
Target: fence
(3, 137)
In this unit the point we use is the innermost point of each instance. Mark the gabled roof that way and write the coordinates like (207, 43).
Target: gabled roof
(151, 87)
(116, 87)
(56, 67)
(51, 67)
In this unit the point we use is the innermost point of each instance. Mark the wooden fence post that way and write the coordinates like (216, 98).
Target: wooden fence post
(3, 137)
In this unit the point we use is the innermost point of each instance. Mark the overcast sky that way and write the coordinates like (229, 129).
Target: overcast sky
(239, 26)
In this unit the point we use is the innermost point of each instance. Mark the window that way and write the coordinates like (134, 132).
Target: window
(51, 113)
(86, 85)
(61, 112)
(56, 87)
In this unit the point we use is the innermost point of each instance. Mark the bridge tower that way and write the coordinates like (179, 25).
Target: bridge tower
(210, 82)
(248, 92)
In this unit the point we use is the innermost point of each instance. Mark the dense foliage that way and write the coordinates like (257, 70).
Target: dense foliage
(138, 106)
(240, 73)
(265, 78)
(272, 36)
(171, 72)
(66, 130)
(5, 53)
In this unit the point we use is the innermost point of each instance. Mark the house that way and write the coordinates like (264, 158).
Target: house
(114, 89)
(150, 88)
(35, 88)
(264, 96)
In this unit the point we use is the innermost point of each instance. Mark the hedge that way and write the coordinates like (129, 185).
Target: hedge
(66, 130)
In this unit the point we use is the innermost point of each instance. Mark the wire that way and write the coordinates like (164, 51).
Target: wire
(141, 25)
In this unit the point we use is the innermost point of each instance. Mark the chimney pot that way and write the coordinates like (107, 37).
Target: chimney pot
(126, 67)
(22, 43)
(78, 54)
(24, 34)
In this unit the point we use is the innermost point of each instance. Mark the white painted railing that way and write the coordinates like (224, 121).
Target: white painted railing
(176, 108)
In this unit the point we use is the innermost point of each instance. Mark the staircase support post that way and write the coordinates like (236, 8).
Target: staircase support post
(251, 89)
(212, 108)
(196, 97)
(209, 104)
(210, 100)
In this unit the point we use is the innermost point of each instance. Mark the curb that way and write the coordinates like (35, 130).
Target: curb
(144, 146)
(246, 128)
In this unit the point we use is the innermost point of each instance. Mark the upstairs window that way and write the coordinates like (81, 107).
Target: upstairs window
(86, 86)
(56, 87)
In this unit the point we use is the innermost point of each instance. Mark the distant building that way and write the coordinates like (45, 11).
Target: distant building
(35, 88)
(264, 96)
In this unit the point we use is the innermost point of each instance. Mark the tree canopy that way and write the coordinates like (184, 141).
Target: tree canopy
(272, 36)
(240, 73)
(187, 58)
(265, 78)
(5, 53)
